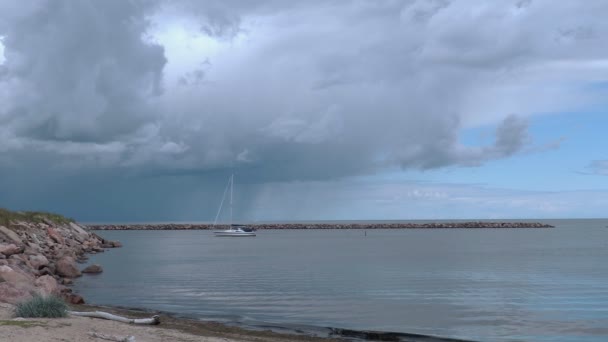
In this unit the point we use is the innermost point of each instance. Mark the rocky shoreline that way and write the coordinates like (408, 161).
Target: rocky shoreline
(301, 226)
(40, 255)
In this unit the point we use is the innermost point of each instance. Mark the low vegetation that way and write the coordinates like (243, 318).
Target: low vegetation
(42, 307)
(7, 216)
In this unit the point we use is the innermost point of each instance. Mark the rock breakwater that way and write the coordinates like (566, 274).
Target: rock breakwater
(39, 255)
(301, 226)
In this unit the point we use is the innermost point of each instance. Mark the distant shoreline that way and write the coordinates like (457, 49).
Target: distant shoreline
(317, 226)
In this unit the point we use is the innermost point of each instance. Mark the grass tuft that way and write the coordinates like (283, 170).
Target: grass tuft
(42, 307)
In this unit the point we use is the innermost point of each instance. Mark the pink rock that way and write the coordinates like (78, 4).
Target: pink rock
(66, 267)
(38, 261)
(10, 249)
(11, 235)
(14, 275)
(15, 285)
(79, 233)
(54, 234)
(13, 294)
(95, 268)
(74, 299)
(45, 271)
(47, 285)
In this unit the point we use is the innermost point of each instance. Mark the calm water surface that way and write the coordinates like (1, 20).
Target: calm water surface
(487, 285)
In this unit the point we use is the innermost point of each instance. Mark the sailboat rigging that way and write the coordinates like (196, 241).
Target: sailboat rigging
(234, 230)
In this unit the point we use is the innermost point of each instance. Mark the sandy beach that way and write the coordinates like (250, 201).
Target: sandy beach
(170, 329)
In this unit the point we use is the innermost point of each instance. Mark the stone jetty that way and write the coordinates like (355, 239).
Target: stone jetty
(40, 254)
(301, 226)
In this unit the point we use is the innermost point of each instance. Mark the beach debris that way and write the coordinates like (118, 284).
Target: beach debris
(112, 338)
(154, 320)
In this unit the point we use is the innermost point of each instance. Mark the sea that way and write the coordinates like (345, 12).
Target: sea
(473, 284)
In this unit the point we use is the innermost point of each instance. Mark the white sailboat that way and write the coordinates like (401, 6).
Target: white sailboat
(235, 230)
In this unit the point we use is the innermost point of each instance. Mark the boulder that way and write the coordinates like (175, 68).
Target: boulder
(35, 239)
(74, 299)
(82, 259)
(80, 234)
(15, 260)
(11, 235)
(55, 236)
(116, 244)
(47, 285)
(34, 245)
(13, 294)
(23, 268)
(95, 268)
(38, 261)
(45, 271)
(30, 251)
(10, 249)
(66, 267)
(14, 275)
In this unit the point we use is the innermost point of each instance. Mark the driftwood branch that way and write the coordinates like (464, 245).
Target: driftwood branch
(112, 338)
(154, 320)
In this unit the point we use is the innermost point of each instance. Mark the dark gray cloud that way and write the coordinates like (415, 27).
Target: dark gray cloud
(79, 72)
(282, 91)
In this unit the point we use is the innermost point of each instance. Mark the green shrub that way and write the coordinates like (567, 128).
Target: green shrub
(37, 307)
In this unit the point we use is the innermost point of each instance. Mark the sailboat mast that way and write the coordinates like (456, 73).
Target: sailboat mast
(231, 190)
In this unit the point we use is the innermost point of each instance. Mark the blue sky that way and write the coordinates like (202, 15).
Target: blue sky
(140, 111)
(581, 136)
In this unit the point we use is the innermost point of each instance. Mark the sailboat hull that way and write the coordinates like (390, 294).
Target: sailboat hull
(233, 234)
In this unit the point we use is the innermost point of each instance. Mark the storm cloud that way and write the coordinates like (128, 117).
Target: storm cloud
(283, 91)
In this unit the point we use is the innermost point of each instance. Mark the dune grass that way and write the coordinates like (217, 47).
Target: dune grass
(7, 216)
(42, 307)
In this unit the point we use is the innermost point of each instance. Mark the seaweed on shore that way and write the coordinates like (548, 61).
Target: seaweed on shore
(369, 335)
